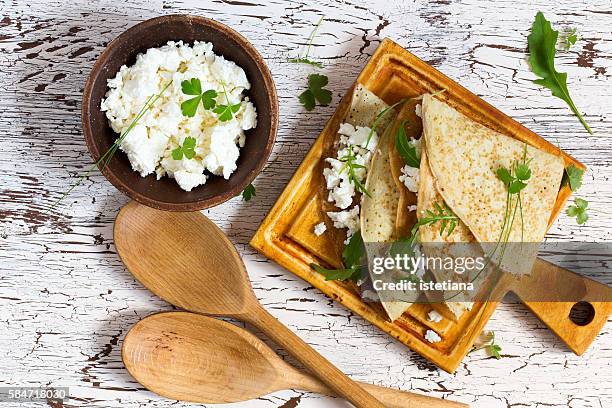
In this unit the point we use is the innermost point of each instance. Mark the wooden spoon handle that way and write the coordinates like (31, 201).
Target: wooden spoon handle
(313, 361)
(393, 398)
(548, 280)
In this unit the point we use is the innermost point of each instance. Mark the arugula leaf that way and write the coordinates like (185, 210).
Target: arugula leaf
(249, 192)
(406, 149)
(103, 161)
(338, 274)
(351, 165)
(351, 258)
(572, 176)
(187, 149)
(542, 42)
(353, 251)
(316, 92)
(579, 210)
(443, 215)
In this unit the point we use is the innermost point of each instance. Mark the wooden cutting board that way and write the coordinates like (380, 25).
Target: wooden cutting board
(286, 235)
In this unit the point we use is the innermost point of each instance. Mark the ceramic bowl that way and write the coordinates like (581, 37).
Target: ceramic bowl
(165, 194)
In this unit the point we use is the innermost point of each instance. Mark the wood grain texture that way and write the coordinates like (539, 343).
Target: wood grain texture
(186, 260)
(66, 300)
(191, 357)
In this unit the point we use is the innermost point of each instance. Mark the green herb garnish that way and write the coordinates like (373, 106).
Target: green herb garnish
(226, 112)
(249, 192)
(103, 161)
(515, 179)
(572, 176)
(351, 259)
(316, 92)
(406, 149)
(305, 59)
(569, 38)
(351, 165)
(579, 210)
(440, 214)
(190, 106)
(542, 42)
(187, 149)
(194, 87)
(492, 348)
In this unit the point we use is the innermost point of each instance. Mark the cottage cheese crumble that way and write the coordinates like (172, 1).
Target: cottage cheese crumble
(432, 337)
(353, 140)
(434, 316)
(163, 128)
(320, 228)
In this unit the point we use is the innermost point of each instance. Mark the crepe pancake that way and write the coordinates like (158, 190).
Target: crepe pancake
(463, 157)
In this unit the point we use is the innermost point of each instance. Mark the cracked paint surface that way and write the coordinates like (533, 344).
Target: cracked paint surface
(66, 301)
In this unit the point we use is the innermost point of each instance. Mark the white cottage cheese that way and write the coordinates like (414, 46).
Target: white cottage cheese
(432, 337)
(353, 140)
(434, 316)
(319, 229)
(163, 128)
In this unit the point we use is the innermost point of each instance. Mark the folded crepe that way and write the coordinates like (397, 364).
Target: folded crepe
(363, 110)
(463, 157)
(458, 167)
(379, 211)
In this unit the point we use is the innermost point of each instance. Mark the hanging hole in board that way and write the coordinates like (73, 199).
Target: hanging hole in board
(582, 313)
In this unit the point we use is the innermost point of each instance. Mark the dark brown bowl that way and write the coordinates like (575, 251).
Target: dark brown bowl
(165, 194)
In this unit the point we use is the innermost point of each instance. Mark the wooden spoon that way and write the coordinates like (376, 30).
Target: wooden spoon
(190, 357)
(185, 259)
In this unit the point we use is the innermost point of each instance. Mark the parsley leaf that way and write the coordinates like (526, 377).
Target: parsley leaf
(190, 106)
(208, 99)
(249, 192)
(572, 176)
(542, 42)
(579, 210)
(406, 149)
(193, 86)
(316, 92)
(569, 38)
(226, 112)
(187, 149)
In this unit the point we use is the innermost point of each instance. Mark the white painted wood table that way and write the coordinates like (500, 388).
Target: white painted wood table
(66, 301)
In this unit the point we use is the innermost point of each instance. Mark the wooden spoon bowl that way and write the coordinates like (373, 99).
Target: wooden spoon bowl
(185, 259)
(190, 357)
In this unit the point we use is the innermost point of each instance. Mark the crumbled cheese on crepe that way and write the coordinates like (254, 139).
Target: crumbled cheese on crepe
(432, 337)
(353, 141)
(319, 229)
(410, 178)
(348, 219)
(434, 316)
